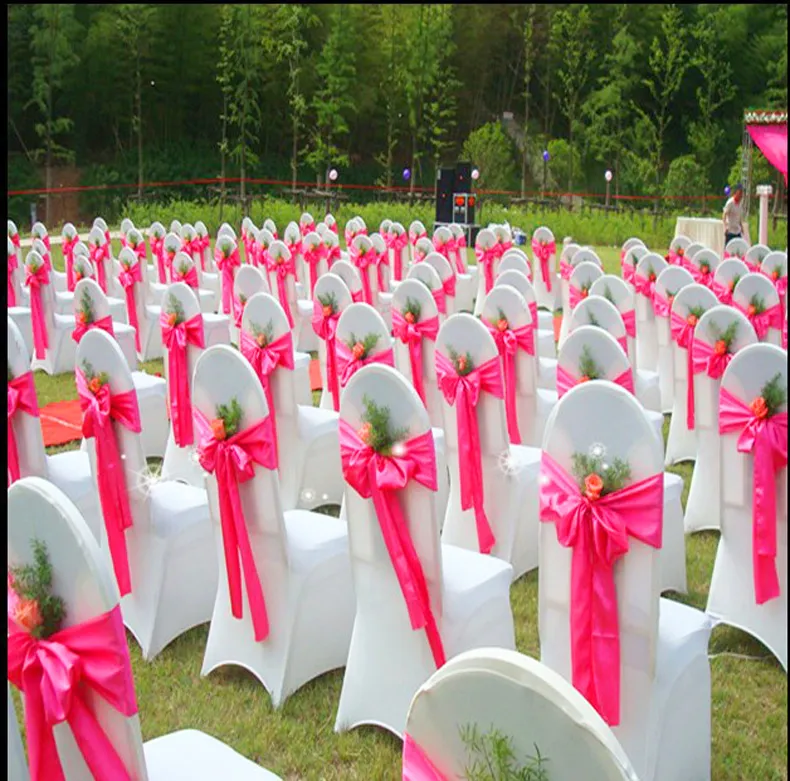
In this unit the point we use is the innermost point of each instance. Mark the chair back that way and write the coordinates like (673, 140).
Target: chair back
(736, 247)
(756, 254)
(679, 242)
(597, 311)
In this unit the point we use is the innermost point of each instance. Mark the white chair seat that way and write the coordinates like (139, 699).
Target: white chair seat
(307, 337)
(470, 580)
(176, 506)
(313, 538)
(647, 389)
(23, 321)
(190, 755)
(315, 422)
(547, 347)
(545, 320)
(547, 373)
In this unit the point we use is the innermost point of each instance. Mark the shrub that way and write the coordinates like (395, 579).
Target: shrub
(685, 177)
(491, 151)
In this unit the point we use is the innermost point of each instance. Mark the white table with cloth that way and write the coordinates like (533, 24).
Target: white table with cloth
(707, 231)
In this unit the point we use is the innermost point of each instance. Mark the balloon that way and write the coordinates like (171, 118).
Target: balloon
(333, 175)
(475, 174)
(727, 190)
(406, 174)
(608, 176)
(546, 155)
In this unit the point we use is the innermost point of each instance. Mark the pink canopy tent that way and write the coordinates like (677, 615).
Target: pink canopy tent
(768, 130)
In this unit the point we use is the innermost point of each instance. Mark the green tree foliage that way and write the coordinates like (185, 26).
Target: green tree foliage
(491, 151)
(685, 177)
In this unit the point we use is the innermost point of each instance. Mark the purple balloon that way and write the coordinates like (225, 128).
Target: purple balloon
(406, 174)
(727, 190)
(546, 155)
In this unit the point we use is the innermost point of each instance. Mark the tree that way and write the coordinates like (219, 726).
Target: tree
(491, 151)
(530, 55)
(686, 178)
(334, 101)
(705, 134)
(667, 65)
(607, 109)
(571, 26)
(52, 38)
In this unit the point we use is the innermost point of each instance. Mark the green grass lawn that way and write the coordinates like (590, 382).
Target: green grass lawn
(749, 687)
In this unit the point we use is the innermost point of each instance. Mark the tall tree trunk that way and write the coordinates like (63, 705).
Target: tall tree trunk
(294, 152)
(222, 151)
(139, 129)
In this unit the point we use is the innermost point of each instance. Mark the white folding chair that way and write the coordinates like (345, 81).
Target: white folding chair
(546, 298)
(662, 663)
(753, 292)
(248, 281)
(331, 289)
(645, 276)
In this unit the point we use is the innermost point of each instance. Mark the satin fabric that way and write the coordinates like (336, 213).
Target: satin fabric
(128, 280)
(381, 478)
(766, 440)
(103, 324)
(190, 277)
(312, 256)
(326, 328)
(397, 244)
(706, 359)
(157, 251)
(543, 253)
(683, 335)
(282, 269)
(67, 247)
(99, 412)
(13, 265)
(362, 261)
(21, 398)
(772, 317)
(412, 334)
(35, 280)
(597, 532)
(463, 392)
(57, 677)
(416, 765)
(233, 461)
(566, 381)
(98, 254)
(227, 267)
(486, 258)
(348, 366)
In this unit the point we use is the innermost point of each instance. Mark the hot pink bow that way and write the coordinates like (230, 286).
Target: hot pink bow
(397, 245)
(21, 398)
(661, 307)
(770, 318)
(13, 265)
(331, 225)
(128, 279)
(67, 248)
(282, 268)
(706, 359)
(306, 227)
(176, 338)
(203, 243)
(189, 246)
(419, 255)
(59, 678)
(682, 333)
(356, 296)
(332, 254)
(575, 296)
(629, 273)
(362, 260)
(416, 765)
(598, 531)
(295, 248)
(35, 280)
(381, 259)
(486, 258)
(723, 291)
(238, 311)
(103, 324)
(766, 439)
(780, 283)
(98, 254)
(702, 275)
(629, 321)
(566, 381)
(233, 461)
(414, 237)
(508, 342)
(189, 276)
(157, 251)
(412, 334)
(312, 256)
(325, 327)
(543, 253)
(454, 255)
(565, 270)
(371, 474)
(227, 267)
(99, 411)
(348, 365)
(463, 392)
(265, 360)
(644, 287)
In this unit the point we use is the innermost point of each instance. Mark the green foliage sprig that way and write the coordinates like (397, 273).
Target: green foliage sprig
(377, 431)
(367, 343)
(757, 304)
(587, 366)
(462, 364)
(727, 336)
(774, 395)
(607, 294)
(10, 373)
(328, 299)
(695, 312)
(230, 414)
(85, 308)
(90, 374)
(263, 336)
(413, 308)
(174, 307)
(614, 475)
(38, 610)
(492, 758)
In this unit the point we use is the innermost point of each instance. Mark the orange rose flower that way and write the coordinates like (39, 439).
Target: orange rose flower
(171, 319)
(593, 486)
(218, 428)
(651, 277)
(327, 310)
(78, 275)
(280, 260)
(775, 275)
(358, 351)
(670, 298)
(261, 340)
(28, 615)
(365, 432)
(502, 325)
(461, 363)
(691, 320)
(81, 319)
(720, 347)
(94, 386)
(584, 378)
(410, 318)
(731, 285)
(681, 251)
(759, 408)
(666, 257)
(751, 310)
(583, 293)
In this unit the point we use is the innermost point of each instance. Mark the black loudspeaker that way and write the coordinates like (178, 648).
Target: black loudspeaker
(463, 178)
(444, 194)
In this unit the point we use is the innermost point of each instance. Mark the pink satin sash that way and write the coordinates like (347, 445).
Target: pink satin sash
(661, 307)
(597, 532)
(13, 265)
(381, 259)
(312, 256)
(59, 678)
(265, 360)
(176, 338)
(771, 318)
(629, 273)
(629, 321)
(326, 328)
(416, 765)
(98, 413)
(463, 392)
(722, 292)
(566, 381)
(706, 359)
(128, 279)
(766, 440)
(348, 366)
(157, 251)
(305, 228)
(412, 334)
(282, 269)
(575, 296)
(97, 256)
(362, 261)
(486, 258)
(190, 277)
(227, 267)
(644, 287)
(683, 335)
(103, 324)
(67, 248)
(233, 461)
(543, 253)
(565, 270)
(35, 281)
(379, 477)
(21, 398)
(508, 342)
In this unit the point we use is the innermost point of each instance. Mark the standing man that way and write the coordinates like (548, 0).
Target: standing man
(733, 215)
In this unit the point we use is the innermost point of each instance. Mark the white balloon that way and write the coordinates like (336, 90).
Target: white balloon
(475, 174)
(608, 176)
(333, 175)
